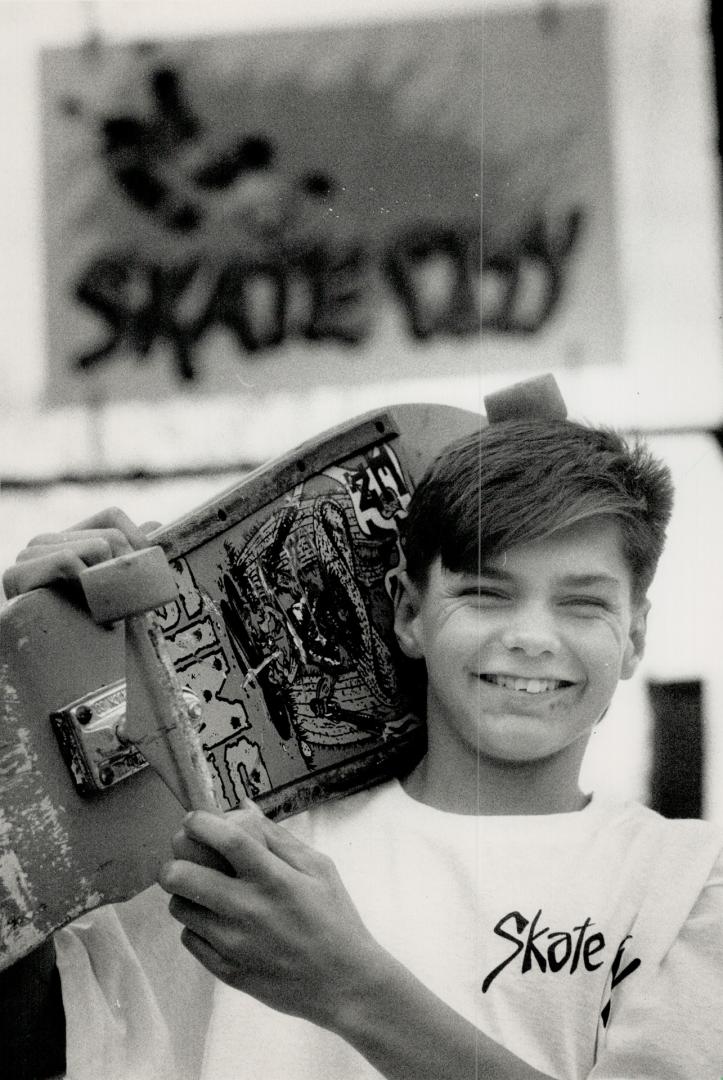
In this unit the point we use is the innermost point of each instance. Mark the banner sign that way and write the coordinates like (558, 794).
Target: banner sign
(328, 207)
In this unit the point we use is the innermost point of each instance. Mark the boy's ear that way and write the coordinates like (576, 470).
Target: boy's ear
(406, 618)
(635, 647)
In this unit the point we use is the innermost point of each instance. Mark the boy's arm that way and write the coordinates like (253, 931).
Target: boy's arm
(285, 930)
(405, 1030)
(32, 1018)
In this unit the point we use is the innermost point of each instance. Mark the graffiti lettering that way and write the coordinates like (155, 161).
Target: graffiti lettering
(435, 272)
(523, 286)
(256, 325)
(338, 288)
(323, 294)
(242, 250)
(143, 305)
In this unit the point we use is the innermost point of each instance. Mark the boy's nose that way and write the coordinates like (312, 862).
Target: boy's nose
(533, 634)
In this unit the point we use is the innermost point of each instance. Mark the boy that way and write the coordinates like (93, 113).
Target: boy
(481, 917)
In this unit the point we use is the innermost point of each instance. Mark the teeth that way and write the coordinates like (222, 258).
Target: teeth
(530, 686)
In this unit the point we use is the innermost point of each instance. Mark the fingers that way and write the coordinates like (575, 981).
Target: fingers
(186, 848)
(208, 932)
(114, 520)
(25, 576)
(90, 547)
(212, 852)
(205, 954)
(190, 850)
(242, 835)
(205, 935)
(51, 558)
(238, 836)
(292, 851)
(201, 887)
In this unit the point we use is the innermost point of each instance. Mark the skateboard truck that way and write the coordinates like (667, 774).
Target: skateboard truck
(159, 721)
(90, 734)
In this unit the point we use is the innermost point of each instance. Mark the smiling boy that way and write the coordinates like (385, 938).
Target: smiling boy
(529, 554)
(481, 916)
(522, 659)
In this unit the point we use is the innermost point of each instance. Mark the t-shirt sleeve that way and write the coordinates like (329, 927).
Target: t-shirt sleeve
(668, 1025)
(136, 1002)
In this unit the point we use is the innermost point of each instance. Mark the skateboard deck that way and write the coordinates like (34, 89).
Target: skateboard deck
(282, 638)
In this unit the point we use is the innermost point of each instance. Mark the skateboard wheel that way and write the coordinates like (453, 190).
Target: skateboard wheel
(532, 398)
(129, 585)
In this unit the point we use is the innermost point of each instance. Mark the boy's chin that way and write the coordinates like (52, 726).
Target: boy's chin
(520, 741)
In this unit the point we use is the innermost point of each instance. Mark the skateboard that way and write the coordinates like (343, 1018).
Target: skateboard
(280, 638)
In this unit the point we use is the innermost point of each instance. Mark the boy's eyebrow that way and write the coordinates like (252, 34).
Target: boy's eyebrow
(492, 572)
(578, 580)
(587, 580)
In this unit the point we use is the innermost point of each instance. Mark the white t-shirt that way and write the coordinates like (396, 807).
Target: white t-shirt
(590, 944)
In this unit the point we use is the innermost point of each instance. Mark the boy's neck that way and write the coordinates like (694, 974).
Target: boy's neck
(497, 789)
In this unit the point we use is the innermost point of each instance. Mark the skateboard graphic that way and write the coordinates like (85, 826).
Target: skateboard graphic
(268, 669)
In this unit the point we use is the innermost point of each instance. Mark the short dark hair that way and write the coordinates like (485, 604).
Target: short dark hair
(520, 480)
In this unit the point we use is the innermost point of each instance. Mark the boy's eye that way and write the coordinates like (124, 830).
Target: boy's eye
(481, 592)
(585, 602)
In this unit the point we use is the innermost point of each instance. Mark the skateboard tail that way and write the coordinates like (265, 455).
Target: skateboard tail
(35, 825)
(61, 854)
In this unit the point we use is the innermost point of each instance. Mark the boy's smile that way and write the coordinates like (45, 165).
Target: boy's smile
(535, 685)
(523, 658)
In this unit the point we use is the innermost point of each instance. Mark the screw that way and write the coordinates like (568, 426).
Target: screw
(83, 714)
(106, 775)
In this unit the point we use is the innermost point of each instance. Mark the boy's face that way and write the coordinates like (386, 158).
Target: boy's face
(523, 659)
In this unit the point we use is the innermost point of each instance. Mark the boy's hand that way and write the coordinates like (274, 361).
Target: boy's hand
(283, 929)
(52, 558)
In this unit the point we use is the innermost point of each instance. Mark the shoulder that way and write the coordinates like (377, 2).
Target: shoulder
(633, 821)
(673, 869)
(689, 845)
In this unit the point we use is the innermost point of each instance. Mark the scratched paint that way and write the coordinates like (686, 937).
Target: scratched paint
(16, 898)
(15, 756)
(31, 835)
(89, 898)
(20, 928)
(17, 903)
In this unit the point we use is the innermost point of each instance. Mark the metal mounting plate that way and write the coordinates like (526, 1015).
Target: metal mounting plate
(89, 733)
